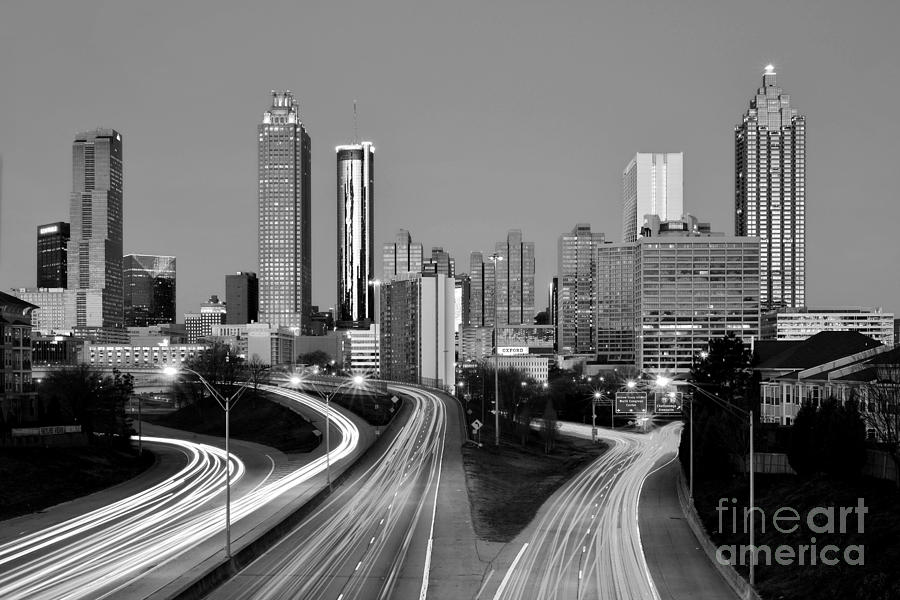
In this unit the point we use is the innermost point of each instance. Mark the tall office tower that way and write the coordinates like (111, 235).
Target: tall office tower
(52, 252)
(770, 191)
(462, 297)
(199, 324)
(515, 280)
(651, 185)
(616, 321)
(149, 289)
(481, 291)
(691, 287)
(401, 256)
(440, 262)
(95, 246)
(417, 341)
(356, 233)
(285, 249)
(241, 298)
(577, 270)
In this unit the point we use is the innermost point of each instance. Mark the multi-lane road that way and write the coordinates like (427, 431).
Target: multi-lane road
(374, 537)
(585, 541)
(98, 554)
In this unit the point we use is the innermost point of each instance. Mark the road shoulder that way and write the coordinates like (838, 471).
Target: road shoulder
(679, 566)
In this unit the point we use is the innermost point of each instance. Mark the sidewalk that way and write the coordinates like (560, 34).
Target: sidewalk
(678, 564)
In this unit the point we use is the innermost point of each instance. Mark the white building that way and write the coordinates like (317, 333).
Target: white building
(795, 324)
(126, 357)
(651, 185)
(534, 366)
(56, 312)
(362, 351)
(257, 341)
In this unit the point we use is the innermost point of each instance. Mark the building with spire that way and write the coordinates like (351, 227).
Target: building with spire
(285, 248)
(770, 191)
(356, 235)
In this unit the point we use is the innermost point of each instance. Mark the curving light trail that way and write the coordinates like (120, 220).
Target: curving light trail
(372, 539)
(586, 543)
(96, 554)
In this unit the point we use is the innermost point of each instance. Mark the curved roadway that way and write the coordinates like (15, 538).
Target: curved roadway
(373, 538)
(585, 541)
(97, 554)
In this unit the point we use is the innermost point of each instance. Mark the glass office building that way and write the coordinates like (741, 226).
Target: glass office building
(515, 280)
(95, 245)
(616, 322)
(770, 191)
(52, 255)
(285, 248)
(355, 234)
(401, 256)
(576, 294)
(149, 289)
(651, 185)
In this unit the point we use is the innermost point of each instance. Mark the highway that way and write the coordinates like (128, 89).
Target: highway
(373, 538)
(97, 554)
(585, 541)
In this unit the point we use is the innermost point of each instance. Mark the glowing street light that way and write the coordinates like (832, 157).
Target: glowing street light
(356, 380)
(226, 404)
(631, 384)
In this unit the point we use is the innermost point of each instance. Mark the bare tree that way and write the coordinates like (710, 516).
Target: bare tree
(549, 426)
(257, 374)
(880, 403)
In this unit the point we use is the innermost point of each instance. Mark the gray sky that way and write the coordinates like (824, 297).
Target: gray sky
(485, 116)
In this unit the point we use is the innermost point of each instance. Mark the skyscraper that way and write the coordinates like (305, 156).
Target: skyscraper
(481, 291)
(241, 298)
(651, 185)
(355, 233)
(401, 256)
(285, 249)
(95, 246)
(440, 262)
(199, 324)
(577, 305)
(515, 280)
(149, 289)
(770, 191)
(52, 255)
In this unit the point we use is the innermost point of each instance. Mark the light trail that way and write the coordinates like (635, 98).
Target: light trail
(360, 543)
(97, 554)
(586, 542)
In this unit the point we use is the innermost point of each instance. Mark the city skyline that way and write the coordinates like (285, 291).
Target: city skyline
(446, 210)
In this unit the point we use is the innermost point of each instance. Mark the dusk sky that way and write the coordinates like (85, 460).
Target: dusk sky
(485, 116)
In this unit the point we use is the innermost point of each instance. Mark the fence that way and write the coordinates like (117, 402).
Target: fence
(879, 464)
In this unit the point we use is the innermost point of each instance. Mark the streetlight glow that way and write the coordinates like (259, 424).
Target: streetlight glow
(662, 381)
(630, 384)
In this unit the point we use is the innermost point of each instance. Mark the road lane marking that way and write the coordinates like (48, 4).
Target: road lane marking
(509, 572)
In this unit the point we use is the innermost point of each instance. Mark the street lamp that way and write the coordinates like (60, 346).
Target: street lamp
(226, 404)
(356, 380)
(496, 258)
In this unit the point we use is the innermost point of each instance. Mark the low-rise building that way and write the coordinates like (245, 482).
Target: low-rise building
(18, 402)
(794, 324)
(533, 366)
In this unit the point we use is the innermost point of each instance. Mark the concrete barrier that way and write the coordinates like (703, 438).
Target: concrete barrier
(741, 586)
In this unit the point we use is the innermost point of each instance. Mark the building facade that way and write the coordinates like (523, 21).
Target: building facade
(577, 292)
(481, 291)
(401, 256)
(127, 357)
(440, 262)
(689, 290)
(417, 339)
(199, 324)
(52, 255)
(533, 366)
(242, 298)
(355, 233)
(285, 228)
(794, 324)
(616, 320)
(94, 269)
(515, 280)
(17, 397)
(770, 191)
(55, 312)
(652, 184)
(149, 289)
(362, 351)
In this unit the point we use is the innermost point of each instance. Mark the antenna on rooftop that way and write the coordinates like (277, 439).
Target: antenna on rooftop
(355, 124)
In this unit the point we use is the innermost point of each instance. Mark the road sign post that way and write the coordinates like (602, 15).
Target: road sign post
(631, 402)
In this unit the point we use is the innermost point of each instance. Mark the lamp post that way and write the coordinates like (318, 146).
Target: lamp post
(226, 403)
(357, 380)
(496, 258)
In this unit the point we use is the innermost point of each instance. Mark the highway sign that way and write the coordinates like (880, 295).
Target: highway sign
(476, 424)
(668, 403)
(631, 402)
